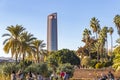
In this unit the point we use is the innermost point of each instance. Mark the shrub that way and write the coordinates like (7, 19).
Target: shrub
(86, 61)
(8, 68)
(41, 68)
(44, 70)
(68, 68)
(108, 63)
(93, 63)
(32, 68)
(25, 63)
(99, 65)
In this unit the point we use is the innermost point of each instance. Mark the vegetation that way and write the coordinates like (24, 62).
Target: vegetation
(96, 48)
(117, 22)
(27, 49)
(65, 56)
(68, 68)
(22, 44)
(116, 60)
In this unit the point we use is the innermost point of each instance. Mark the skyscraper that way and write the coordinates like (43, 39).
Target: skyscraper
(52, 44)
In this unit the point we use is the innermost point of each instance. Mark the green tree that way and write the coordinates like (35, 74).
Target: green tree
(39, 45)
(12, 43)
(117, 22)
(111, 30)
(85, 61)
(103, 39)
(26, 47)
(94, 24)
(116, 60)
(86, 34)
(86, 37)
(65, 56)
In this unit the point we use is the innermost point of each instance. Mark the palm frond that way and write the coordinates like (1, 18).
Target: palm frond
(6, 40)
(6, 34)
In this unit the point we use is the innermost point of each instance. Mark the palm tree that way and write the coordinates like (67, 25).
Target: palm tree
(86, 34)
(39, 45)
(111, 32)
(97, 49)
(86, 37)
(26, 47)
(103, 40)
(94, 24)
(12, 43)
(117, 23)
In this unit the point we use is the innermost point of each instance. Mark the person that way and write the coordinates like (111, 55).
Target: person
(30, 76)
(62, 74)
(39, 77)
(118, 79)
(54, 76)
(104, 77)
(66, 76)
(13, 75)
(110, 75)
(19, 75)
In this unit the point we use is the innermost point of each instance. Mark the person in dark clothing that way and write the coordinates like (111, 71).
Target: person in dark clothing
(110, 76)
(13, 75)
(103, 77)
(29, 76)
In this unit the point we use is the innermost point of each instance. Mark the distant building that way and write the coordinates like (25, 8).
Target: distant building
(52, 44)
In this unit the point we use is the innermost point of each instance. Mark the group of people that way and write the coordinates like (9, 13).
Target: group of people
(17, 76)
(60, 76)
(29, 76)
(109, 76)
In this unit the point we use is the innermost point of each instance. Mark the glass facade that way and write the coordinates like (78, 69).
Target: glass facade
(52, 32)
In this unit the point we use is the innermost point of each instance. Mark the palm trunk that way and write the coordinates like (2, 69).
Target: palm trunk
(111, 48)
(38, 56)
(111, 43)
(23, 57)
(98, 54)
(35, 58)
(96, 35)
(38, 59)
(16, 58)
(101, 52)
(106, 49)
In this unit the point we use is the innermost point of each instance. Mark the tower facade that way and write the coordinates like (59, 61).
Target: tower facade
(52, 44)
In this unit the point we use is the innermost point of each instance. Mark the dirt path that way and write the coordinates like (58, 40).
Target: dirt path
(93, 73)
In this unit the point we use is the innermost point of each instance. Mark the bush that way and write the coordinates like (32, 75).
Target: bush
(85, 61)
(32, 68)
(63, 56)
(44, 70)
(41, 68)
(25, 63)
(99, 65)
(68, 68)
(9, 67)
(108, 63)
(93, 63)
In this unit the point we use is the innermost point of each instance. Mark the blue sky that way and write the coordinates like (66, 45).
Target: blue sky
(73, 17)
